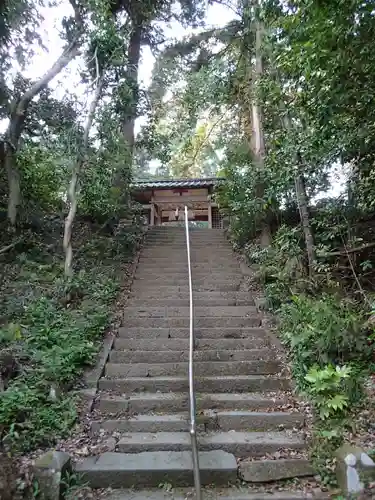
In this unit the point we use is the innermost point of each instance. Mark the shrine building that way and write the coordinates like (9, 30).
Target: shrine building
(164, 201)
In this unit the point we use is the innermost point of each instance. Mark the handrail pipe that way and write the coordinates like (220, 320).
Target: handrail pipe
(193, 432)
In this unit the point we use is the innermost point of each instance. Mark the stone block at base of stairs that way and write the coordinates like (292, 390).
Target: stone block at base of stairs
(210, 494)
(262, 471)
(150, 469)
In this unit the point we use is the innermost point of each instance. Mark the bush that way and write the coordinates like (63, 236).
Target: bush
(53, 327)
(321, 331)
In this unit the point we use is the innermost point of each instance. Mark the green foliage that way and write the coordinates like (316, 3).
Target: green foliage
(322, 330)
(325, 385)
(54, 334)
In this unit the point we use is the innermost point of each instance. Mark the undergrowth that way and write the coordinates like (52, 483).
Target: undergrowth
(328, 337)
(51, 327)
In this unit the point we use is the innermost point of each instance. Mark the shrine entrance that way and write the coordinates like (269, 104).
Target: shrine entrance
(164, 202)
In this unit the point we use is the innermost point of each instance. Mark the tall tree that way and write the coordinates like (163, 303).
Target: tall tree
(20, 104)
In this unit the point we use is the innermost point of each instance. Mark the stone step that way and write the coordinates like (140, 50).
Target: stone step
(194, 242)
(219, 283)
(196, 254)
(169, 402)
(201, 368)
(241, 444)
(235, 383)
(177, 260)
(208, 421)
(208, 274)
(182, 237)
(233, 493)
(183, 267)
(127, 356)
(128, 470)
(146, 287)
(197, 296)
(207, 322)
(173, 344)
(202, 335)
(183, 312)
(171, 302)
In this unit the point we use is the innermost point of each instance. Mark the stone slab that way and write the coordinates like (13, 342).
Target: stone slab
(92, 376)
(241, 444)
(50, 470)
(263, 471)
(238, 383)
(207, 420)
(200, 322)
(125, 356)
(119, 470)
(211, 494)
(201, 368)
(177, 402)
(173, 344)
(202, 334)
(183, 312)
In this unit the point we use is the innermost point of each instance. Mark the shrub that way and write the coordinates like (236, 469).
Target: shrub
(321, 331)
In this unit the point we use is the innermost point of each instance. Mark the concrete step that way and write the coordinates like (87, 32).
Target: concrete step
(183, 312)
(175, 402)
(182, 236)
(181, 244)
(159, 275)
(207, 322)
(183, 267)
(197, 296)
(174, 344)
(126, 356)
(219, 283)
(208, 421)
(152, 287)
(235, 383)
(201, 334)
(196, 254)
(181, 260)
(233, 493)
(241, 444)
(171, 302)
(210, 369)
(127, 470)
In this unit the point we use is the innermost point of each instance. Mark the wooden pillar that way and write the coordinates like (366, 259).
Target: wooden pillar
(209, 209)
(152, 215)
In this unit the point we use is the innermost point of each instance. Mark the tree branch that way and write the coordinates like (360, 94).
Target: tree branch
(347, 251)
(9, 247)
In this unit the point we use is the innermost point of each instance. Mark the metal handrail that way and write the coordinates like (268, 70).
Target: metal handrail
(193, 433)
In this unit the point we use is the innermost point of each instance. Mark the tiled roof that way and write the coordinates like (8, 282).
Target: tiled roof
(141, 185)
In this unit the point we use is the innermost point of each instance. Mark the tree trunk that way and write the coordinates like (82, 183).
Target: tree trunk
(302, 201)
(72, 191)
(16, 125)
(305, 217)
(130, 111)
(258, 130)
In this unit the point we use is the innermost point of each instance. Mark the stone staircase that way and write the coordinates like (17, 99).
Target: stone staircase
(143, 395)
